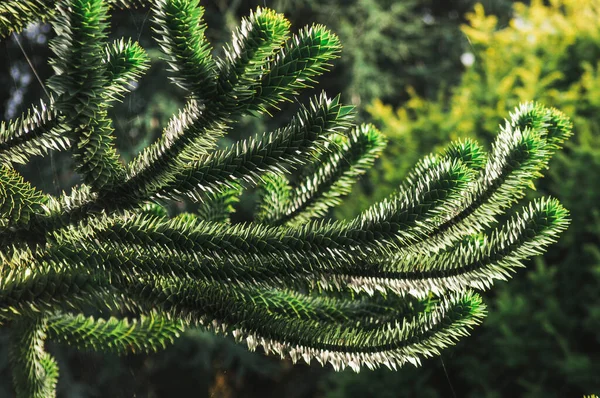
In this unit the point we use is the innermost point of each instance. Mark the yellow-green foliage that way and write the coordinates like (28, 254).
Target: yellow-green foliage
(548, 53)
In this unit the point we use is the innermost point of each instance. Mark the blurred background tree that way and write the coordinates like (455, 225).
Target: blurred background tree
(426, 71)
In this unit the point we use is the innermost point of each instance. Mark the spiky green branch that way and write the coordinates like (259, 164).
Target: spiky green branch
(389, 287)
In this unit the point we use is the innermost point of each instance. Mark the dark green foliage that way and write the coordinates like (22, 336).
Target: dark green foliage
(249, 53)
(322, 184)
(17, 14)
(35, 372)
(217, 206)
(389, 287)
(34, 133)
(114, 335)
(18, 200)
(180, 29)
(79, 82)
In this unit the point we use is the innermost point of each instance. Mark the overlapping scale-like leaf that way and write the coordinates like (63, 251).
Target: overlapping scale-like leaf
(304, 57)
(248, 159)
(45, 286)
(520, 153)
(42, 129)
(16, 15)
(218, 206)
(18, 199)
(35, 133)
(474, 263)
(195, 130)
(35, 371)
(388, 287)
(387, 223)
(120, 336)
(213, 251)
(79, 83)
(325, 181)
(369, 332)
(125, 62)
(253, 45)
(180, 28)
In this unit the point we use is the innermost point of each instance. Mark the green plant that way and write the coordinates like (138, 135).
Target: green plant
(548, 316)
(388, 287)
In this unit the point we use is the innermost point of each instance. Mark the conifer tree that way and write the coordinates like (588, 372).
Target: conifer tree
(106, 267)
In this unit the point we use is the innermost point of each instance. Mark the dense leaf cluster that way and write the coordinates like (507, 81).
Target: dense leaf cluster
(389, 287)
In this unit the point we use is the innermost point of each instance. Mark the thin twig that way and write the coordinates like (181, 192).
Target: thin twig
(31, 65)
